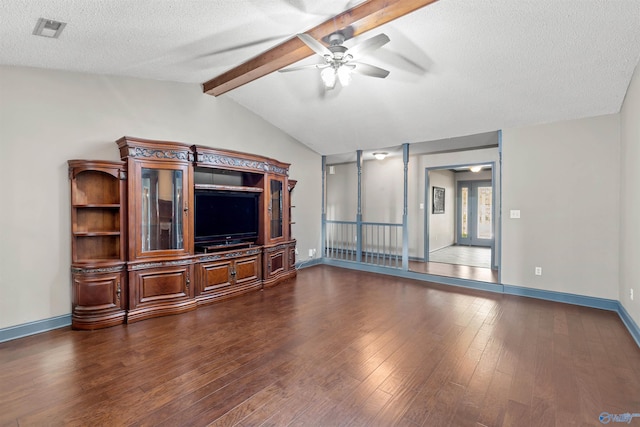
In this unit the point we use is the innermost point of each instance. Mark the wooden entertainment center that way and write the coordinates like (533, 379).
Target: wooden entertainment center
(149, 237)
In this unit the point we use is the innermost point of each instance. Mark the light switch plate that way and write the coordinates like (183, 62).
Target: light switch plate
(514, 213)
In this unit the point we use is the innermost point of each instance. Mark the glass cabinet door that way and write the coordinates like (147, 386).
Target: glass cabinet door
(162, 209)
(275, 207)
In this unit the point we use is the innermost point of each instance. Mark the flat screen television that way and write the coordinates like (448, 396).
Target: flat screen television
(225, 217)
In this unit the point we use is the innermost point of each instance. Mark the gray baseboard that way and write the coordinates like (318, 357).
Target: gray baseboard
(32, 328)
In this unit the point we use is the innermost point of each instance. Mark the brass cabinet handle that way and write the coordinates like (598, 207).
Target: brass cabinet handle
(118, 290)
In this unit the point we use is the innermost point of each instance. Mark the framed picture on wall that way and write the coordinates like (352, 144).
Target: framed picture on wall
(438, 200)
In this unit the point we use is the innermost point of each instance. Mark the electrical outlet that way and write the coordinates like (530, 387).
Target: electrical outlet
(538, 271)
(310, 253)
(631, 294)
(514, 213)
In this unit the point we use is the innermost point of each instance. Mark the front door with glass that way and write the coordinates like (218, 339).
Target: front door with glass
(475, 213)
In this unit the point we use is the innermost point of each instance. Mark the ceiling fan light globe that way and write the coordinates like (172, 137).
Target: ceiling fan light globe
(329, 76)
(344, 75)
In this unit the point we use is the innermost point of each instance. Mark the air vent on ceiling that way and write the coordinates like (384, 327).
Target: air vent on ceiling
(48, 28)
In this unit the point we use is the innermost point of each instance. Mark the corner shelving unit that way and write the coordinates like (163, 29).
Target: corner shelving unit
(97, 243)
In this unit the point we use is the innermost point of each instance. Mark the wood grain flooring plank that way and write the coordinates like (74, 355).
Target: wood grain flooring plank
(445, 405)
(468, 410)
(494, 405)
(517, 414)
(215, 405)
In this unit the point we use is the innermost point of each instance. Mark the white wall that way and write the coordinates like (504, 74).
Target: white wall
(48, 117)
(442, 226)
(564, 178)
(483, 175)
(383, 190)
(342, 192)
(630, 199)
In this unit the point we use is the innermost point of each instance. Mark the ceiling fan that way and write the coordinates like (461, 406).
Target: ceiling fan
(339, 60)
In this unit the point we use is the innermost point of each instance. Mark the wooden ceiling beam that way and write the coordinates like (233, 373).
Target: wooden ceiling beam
(362, 18)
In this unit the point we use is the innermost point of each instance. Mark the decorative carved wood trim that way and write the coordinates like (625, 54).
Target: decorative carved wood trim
(279, 247)
(82, 270)
(143, 266)
(361, 18)
(240, 163)
(160, 154)
(228, 255)
(139, 148)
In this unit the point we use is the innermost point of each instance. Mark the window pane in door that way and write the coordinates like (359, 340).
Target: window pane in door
(464, 226)
(484, 213)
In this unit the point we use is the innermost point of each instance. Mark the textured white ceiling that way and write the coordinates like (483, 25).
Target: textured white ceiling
(457, 67)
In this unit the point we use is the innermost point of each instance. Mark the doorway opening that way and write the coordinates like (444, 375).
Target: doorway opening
(459, 236)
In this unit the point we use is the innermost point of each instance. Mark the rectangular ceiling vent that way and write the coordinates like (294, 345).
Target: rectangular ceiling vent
(48, 28)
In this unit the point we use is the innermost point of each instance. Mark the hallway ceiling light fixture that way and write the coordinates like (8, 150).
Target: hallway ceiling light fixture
(380, 155)
(475, 169)
(48, 28)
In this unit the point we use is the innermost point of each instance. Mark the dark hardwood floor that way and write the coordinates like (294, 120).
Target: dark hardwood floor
(333, 347)
(457, 271)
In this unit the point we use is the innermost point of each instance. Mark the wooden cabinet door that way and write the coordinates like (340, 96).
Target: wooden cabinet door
(214, 275)
(247, 270)
(275, 263)
(292, 257)
(162, 289)
(227, 277)
(276, 208)
(160, 210)
(98, 298)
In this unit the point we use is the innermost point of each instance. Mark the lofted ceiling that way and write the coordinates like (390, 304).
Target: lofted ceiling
(457, 67)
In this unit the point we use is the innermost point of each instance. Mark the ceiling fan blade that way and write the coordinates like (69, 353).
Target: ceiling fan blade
(315, 45)
(370, 70)
(304, 67)
(368, 45)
